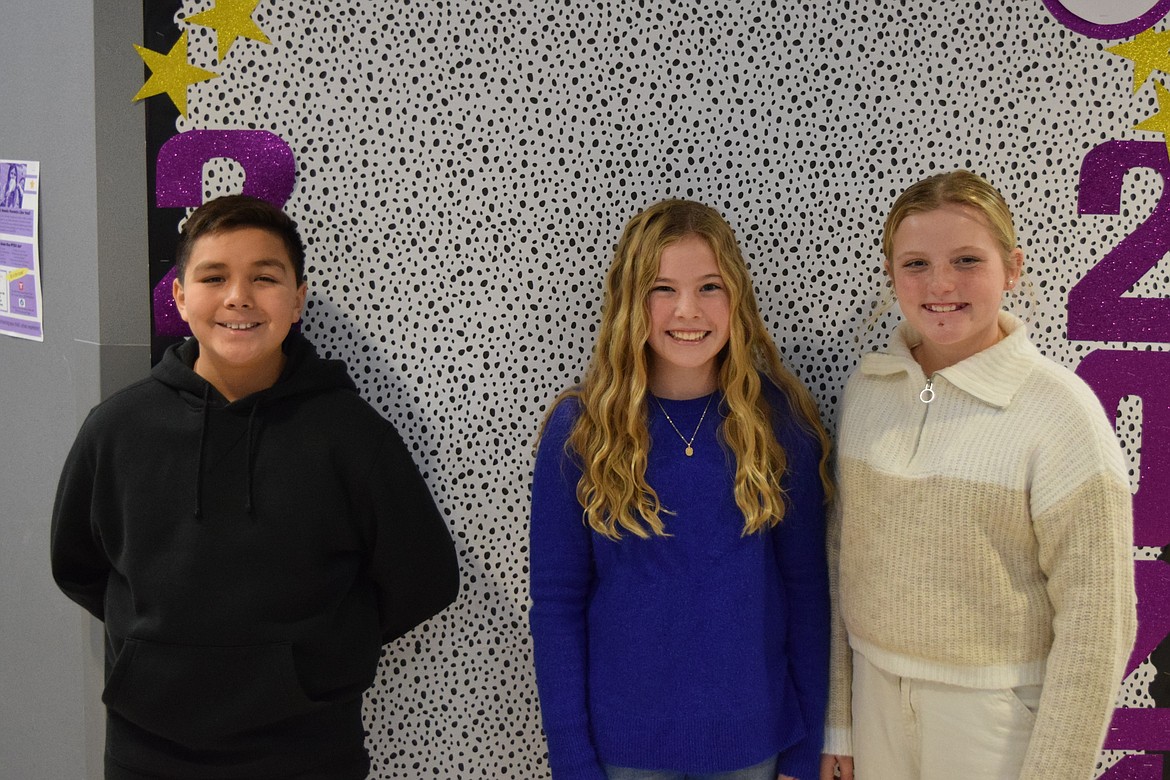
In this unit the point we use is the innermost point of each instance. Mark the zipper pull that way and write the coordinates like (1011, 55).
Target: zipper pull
(927, 394)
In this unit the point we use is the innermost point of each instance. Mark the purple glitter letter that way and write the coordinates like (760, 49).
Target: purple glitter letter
(1124, 29)
(269, 174)
(269, 167)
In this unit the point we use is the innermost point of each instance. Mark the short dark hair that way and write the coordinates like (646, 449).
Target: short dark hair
(231, 212)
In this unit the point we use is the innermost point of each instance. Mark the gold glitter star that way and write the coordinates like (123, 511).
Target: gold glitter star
(1149, 51)
(231, 19)
(171, 73)
(1159, 122)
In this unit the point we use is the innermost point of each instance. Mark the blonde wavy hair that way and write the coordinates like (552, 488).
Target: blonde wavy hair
(610, 440)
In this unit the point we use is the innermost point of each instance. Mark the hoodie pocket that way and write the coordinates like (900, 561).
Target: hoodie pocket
(200, 696)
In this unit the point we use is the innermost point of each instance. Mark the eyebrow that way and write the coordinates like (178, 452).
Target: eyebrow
(701, 278)
(970, 248)
(216, 265)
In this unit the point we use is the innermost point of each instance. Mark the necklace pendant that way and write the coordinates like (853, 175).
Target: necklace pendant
(689, 451)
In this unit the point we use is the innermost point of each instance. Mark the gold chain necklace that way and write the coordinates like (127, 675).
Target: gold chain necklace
(689, 450)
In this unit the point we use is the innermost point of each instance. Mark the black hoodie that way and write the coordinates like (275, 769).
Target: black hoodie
(249, 560)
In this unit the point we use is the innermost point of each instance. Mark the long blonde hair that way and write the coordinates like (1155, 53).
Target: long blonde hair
(610, 440)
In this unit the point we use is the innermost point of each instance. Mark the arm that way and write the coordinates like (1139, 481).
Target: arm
(1084, 529)
(838, 747)
(412, 562)
(79, 562)
(800, 551)
(561, 565)
(838, 720)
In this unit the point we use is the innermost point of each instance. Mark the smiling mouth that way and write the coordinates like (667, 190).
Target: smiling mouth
(943, 308)
(689, 336)
(240, 325)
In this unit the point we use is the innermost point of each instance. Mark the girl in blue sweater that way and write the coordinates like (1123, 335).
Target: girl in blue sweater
(679, 586)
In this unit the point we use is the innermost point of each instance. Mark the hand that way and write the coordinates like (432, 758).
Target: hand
(836, 767)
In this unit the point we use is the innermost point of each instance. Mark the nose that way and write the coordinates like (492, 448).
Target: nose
(942, 278)
(239, 295)
(687, 305)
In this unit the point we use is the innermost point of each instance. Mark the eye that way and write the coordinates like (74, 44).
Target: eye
(711, 287)
(661, 288)
(969, 260)
(213, 279)
(914, 265)
(266, 278)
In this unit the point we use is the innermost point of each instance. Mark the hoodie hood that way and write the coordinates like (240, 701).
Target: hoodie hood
(304, 374)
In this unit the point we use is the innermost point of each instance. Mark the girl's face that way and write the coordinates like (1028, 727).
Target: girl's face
(690, 314)
(949, 276)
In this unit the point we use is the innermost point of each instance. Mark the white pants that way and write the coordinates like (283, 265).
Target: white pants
(908, 729)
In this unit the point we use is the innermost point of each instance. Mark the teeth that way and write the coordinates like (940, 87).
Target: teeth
(942, 307)
(688, 335)
(240, 325)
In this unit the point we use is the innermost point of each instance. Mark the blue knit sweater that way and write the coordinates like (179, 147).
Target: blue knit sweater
(704, 651)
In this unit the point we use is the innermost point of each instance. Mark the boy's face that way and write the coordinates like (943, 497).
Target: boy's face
(240, 297)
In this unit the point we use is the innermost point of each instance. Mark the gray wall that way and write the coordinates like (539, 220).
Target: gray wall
(69, 72)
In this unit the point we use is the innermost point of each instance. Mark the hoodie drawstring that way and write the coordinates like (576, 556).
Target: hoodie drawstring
(199, 464)
(248, 460)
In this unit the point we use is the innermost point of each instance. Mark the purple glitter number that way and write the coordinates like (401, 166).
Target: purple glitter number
(1096, 310)
(1126, 29)
(269, 166)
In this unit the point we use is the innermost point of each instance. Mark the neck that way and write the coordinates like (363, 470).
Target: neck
(933, 357)
(234, 384)
(680, 386)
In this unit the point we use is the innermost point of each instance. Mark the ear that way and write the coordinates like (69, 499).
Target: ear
(180, 298)
(302, 291)
(1016, 265)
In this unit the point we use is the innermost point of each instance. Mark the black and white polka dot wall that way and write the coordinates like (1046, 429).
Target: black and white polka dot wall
(464, 169)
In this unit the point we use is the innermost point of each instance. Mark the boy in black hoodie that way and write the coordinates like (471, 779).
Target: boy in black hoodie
(250, 531)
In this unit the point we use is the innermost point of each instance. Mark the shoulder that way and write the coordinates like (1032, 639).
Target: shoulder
(561, 418)
(1059, 384)
(141, 399)
(790, 430)
(1054, 402)
(876, 376)
(340, 416)
(552, 455)
(1062, 415)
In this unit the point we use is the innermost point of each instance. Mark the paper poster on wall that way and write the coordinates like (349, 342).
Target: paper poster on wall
(20, 262)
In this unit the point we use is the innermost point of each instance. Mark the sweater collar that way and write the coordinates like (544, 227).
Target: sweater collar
(993, 375)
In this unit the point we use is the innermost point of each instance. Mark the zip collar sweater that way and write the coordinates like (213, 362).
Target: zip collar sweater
(984, 539)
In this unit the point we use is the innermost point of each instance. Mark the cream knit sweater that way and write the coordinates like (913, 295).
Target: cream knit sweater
(984, 540)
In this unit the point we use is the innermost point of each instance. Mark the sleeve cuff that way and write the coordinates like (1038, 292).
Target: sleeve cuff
(838, 742)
